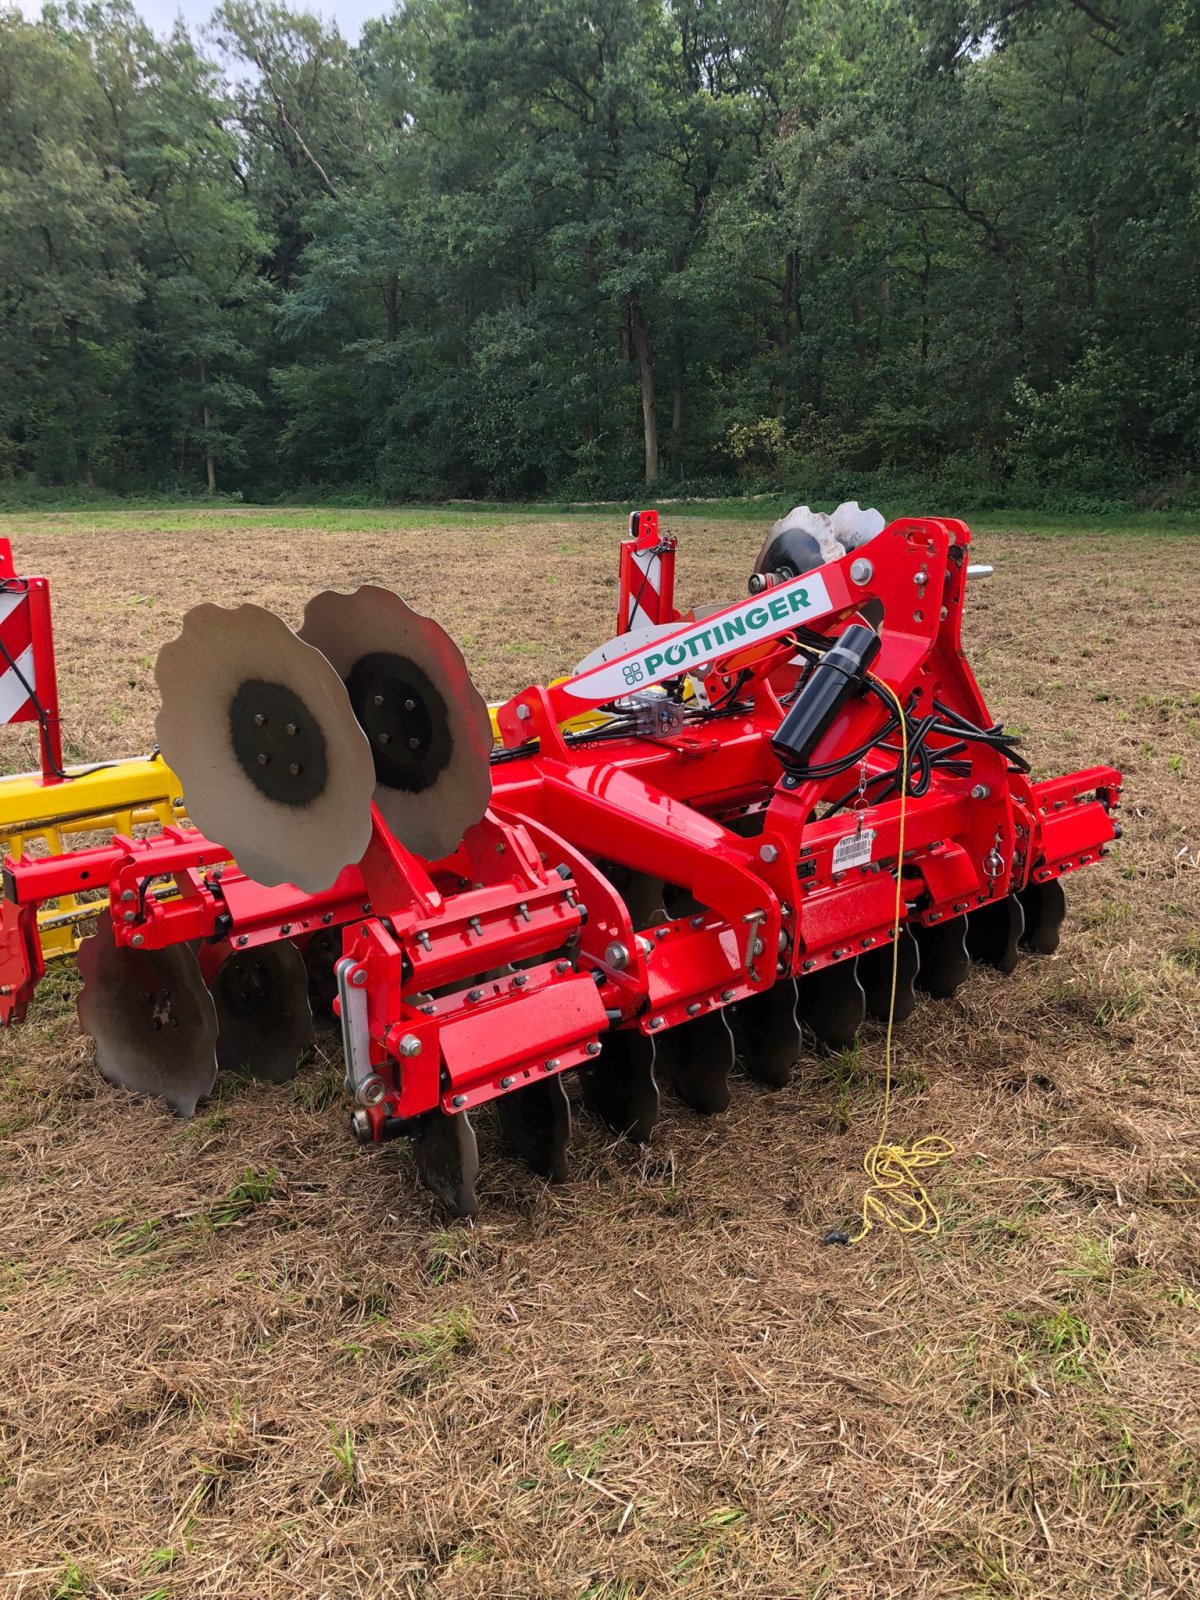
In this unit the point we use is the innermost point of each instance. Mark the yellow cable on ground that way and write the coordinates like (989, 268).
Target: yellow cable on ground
(895, 1195)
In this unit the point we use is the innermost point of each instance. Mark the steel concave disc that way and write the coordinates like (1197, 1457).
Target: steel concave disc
(264, 1020)
(152, 1019)
(258, 726)
(426, 724)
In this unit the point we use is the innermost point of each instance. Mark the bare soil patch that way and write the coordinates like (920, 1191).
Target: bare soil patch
(241, 1358)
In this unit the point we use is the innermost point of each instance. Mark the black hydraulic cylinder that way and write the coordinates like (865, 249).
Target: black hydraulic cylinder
(840, 673)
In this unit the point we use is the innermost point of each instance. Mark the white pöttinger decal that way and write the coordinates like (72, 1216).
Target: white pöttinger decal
(854, 850)
(754, 621)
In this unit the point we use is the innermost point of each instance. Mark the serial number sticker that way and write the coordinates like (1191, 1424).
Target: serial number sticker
(854, 850)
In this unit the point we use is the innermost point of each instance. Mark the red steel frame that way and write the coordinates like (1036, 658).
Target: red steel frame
(532, 882)
(36, 592)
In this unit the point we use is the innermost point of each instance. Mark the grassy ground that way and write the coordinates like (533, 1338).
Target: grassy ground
(241, 1358)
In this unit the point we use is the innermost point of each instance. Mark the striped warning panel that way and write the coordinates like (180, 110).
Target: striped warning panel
(18, 681)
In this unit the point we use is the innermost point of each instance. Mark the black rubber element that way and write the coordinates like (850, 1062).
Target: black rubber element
(767, 1035)
(447, 1160)
(621, 1088)
(875, 975)
(536, 1121)
(994, 933)
(699, 1055)
(1045, 907)
(944, 959)
(832, 1004)
(403, 714)
(278, 742)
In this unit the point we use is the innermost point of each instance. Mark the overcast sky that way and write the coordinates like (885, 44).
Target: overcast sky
(160, 14)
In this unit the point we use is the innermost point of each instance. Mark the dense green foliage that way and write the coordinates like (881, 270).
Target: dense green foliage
(524, 247)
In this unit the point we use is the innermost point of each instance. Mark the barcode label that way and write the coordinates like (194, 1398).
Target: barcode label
(854, 850)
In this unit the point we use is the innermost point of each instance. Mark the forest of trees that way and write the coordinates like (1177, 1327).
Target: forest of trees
(507, 248)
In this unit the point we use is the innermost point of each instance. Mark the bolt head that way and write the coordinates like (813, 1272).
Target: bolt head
(980, 792)
(358, 977)
(523, 713)
(616, 955)
(592, 1047)
(726, 995)
(768, 853)
(459, 1100)
(138, 940)
(861, 571)
(410, 1045)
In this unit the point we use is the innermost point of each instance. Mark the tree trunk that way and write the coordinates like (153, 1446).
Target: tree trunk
(678, 367)
(210, 466)
(640, 332)
(783, 345)
(83, 465)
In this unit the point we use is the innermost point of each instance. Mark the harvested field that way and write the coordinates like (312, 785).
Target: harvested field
(240, 1359)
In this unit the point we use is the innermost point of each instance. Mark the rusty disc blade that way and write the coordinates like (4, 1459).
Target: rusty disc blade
(426, 723)
(152, 1019)
(259, 728)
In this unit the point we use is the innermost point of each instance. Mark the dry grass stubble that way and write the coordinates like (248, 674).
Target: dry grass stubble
(240, 1358)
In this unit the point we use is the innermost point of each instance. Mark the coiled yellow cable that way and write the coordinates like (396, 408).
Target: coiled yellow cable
(896, 1196)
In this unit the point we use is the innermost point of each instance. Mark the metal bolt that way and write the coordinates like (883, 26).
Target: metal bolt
(285, 930)
(521, 979)
(385, 738)
(592, 1047)
(506, 1083)
(561, 967)
(661, 933)
(759, 947)
(129, 916)
(523, 713)
(784, 940)
(378, 699)
(697, 922)
(126, 894)
(459, 1100)
(694, 1009)
(414, 743)
(552, 1065)
(360, 1127)
(474, 994)
(980, 792)
(410, 1045)
(656, 1022)
(726, 995)
(259, 719)
(295, 769)
(241, 940)
(410, 705)
(861, 570)
(263, 758)
(617, 955)
(292, 728)
(785, 911)
(138, 940)
(768, 853)
(358, 977)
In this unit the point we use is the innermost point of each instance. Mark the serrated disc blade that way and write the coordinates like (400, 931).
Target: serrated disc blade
(833, 1004)
(620, 1086)
(447, 1160)
(944, 959)
(263, 1016)
(875, 975)
(994, 933)
(700, 1056)
(767, 1034)
(427, 725)
(1045, 907)
(536, 1121)
(152, 1018)
(321, 955)
(259, 728)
